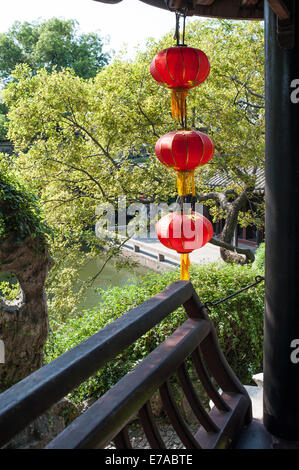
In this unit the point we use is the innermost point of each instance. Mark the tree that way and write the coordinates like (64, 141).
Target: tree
(75, 138)
(3, 117)
(23, 252)
(52, 43)
(231, 106)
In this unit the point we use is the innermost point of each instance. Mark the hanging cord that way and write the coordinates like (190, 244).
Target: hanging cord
(258, 279)
(177, 34)
(184, 28)
(179, 15)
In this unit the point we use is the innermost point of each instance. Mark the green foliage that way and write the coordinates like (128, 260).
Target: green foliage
(259, 262)
(20, 214)
(10, 287)
(3, 117)
(87, 131)
(52, 43)
(3, 126)
(238, 321)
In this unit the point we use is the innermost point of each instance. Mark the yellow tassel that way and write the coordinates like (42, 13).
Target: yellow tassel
(178, 103)
(185, 182)
(185, 263)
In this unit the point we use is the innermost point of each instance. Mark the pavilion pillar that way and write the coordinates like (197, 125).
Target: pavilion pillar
(281, 367)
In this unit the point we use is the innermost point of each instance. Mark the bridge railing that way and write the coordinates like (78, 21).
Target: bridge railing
(136, 245)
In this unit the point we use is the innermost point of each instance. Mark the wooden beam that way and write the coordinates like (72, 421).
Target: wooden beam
(279, 9)
(204, 2)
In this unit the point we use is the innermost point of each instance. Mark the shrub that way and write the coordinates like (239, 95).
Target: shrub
(259, 262)
(20, 214)
(238, 321)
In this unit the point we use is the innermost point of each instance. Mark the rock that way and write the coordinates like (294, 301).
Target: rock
(90, 401)
(86, 404)
(187, 411)
(156, 404)
(259, 379)
(41, 431)
(256, 396)
(24, 321)
(66, 409)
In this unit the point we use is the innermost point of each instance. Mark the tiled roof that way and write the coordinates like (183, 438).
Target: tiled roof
(223, 180)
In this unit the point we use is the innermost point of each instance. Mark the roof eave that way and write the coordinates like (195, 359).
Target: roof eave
(226, 9)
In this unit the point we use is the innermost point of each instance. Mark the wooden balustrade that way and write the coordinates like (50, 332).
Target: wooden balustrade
(108, 417)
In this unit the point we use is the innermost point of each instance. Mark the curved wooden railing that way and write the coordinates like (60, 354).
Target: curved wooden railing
(108, 417)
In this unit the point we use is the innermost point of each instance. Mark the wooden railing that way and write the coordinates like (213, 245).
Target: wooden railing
(108, 417)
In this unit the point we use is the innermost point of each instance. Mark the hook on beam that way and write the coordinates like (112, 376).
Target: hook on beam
(280, 9)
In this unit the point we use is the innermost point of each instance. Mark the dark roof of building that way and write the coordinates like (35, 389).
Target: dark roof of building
(222, 180)
(6, 147)
(230, 9)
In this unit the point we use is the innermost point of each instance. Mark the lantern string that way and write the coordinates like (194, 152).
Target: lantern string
(179, 95)
(177, 29)
(177, 34)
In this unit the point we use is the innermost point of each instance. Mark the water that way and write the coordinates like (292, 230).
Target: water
(112, 275)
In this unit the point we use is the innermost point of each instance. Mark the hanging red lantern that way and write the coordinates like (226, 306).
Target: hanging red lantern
(185, 150)
(180, 68)
(184, 233)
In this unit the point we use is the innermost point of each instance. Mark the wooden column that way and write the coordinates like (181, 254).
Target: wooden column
(281, 375)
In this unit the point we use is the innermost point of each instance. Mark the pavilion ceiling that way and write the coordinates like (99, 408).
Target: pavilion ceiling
(234, 9)
(230, 9)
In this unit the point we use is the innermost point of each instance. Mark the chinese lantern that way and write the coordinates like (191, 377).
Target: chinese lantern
(185, 150)
(180, 68)
(184, 233)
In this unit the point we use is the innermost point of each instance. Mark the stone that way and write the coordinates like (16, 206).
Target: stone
(156, 404)
(259, 379)
(256, 395)
(41, 431)
(24, 321)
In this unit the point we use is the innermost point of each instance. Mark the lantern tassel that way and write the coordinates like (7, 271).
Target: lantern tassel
(185, 263)
(185, 182)
(178, 103)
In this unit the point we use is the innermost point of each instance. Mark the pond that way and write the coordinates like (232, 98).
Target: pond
(112, 275)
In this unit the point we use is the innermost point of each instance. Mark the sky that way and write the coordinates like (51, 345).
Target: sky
(130, 21)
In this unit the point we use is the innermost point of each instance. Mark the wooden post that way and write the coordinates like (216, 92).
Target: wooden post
(281, 374)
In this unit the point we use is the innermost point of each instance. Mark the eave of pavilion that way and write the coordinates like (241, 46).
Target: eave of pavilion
(227, 9)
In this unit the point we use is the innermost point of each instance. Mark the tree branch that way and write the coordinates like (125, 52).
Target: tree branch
(214, 196)
(241, 251)
(149, 120)
(92, 279)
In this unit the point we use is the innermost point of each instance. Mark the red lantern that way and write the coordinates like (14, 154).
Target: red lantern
(180, 68)
(183, 151)
(184, 233)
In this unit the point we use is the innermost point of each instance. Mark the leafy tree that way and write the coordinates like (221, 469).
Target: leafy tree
(52, 43)
(231, 107)
(20, 214)
(3, 117)
(75, 138)
(3, 121)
